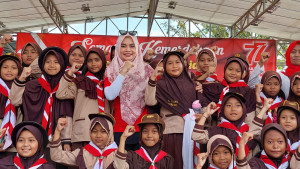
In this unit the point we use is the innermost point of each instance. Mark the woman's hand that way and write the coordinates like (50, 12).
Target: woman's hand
(127, 66)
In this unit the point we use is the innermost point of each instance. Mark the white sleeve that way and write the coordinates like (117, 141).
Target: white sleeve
(285, 84)
(112, 91)
(254, 77)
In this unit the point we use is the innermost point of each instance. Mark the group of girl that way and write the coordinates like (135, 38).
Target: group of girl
(130, 115)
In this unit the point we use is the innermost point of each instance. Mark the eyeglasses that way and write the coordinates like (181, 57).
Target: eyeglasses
(123, 32)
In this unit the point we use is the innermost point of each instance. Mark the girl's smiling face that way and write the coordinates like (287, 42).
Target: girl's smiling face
(174, 66)
(150, 135)
(27, 144)
(9, 70)
(51, 65)
(233, 72)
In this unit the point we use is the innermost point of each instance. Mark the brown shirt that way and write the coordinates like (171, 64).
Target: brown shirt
(8, 163)
(70, 158)
(131, 160)
(256, 163)
(83, 107)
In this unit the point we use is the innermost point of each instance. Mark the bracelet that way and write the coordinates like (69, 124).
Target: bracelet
(152, 83)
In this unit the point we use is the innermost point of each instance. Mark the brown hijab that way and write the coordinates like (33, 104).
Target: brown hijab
(241, 99)
(267, 76)
(35, 96)
(176, 93)
(293, 136)
(3, 98)
(39, 133)
(292, 96)
(210, 53)
(255, 162)
(108, 126)
(35, 46)
(85, 83)
(154, 150)
(72, 48)
(216, 141)
(244, 66)
(278, 127)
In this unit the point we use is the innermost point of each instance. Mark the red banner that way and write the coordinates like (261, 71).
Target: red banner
(252, 48)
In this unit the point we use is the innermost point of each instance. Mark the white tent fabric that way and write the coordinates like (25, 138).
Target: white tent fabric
(30, 15)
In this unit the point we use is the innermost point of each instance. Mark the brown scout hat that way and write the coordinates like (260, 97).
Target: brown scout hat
(152, 119)
(289, 105)
(105, 115)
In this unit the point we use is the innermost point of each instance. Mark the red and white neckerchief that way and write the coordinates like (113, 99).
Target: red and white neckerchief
(37, 164)
(100, 93)
(225, 90)
(244, 127)
(211, 78)
(9, 117)
(275, 104)
(292, 147)
(211, 166)
(95, 151)
(75, 74)
(143, 153)
(269, 163)
(196, 150)
(47, 115)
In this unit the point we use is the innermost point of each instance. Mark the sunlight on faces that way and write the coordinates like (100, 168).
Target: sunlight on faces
(174, 66)
(272, 86)
(274, 143)
(51, 66)
(296, 87)
(233, 109)
(233, 72)
(295, 55)
(222, 157)
(150, 135)
(9, 70)
(76, 57)
(205, 61)
(29, 55)
(127, 49)
(99, 136)
(288, 120)
(94, 62)
(27, 144)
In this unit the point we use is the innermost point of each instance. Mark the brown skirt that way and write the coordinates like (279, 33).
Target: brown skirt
(172, 144)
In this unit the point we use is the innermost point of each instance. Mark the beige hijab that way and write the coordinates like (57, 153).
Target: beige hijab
(216, 141)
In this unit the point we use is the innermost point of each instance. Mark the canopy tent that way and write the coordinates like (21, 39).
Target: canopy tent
(274, 18)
